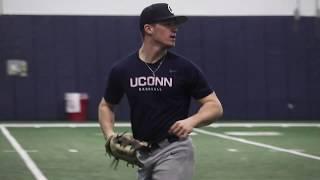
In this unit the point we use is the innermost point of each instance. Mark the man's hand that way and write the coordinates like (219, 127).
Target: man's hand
(210, 110)
(182, 128)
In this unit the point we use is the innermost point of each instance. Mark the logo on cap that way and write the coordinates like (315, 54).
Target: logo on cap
(169, 8)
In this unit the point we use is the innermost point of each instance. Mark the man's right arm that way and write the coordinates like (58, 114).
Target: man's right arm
(106, 118)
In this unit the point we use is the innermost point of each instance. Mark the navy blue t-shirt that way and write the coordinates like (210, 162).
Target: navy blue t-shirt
(156, 102)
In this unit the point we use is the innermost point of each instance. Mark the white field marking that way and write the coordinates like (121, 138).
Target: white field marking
(32, 151)
(232, 150)
(214, 125)
(193, 133)
(252, 133)
(257, 144)
(29, 151)
(298, 150)
(72, 126)
(73, 150)
(9, 151)
(24, 155)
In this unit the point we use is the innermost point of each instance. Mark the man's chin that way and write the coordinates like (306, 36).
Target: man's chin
(172, 45)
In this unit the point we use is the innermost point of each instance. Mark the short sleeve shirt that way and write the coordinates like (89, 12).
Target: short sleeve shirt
(156, 101)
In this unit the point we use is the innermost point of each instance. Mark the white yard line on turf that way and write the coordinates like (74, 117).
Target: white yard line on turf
(23, 154)
(244, 124)
(252, 133)
(257, 144)
(28, 151)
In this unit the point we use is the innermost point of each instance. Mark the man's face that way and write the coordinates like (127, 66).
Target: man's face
(165, 33)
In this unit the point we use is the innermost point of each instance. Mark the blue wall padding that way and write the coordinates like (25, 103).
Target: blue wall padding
(260, 67)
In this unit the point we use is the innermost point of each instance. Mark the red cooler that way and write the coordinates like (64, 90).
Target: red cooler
(76, 106)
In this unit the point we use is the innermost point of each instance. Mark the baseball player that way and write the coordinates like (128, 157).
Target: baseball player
(159, 85)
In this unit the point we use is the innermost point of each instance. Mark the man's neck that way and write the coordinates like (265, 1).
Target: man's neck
(151, 54)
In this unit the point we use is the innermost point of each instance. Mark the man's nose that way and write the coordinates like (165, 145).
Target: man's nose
(174, 28)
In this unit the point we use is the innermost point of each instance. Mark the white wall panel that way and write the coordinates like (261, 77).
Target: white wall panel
(134, 7)
(1, 7)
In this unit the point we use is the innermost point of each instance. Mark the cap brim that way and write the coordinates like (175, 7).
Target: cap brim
(177, 19)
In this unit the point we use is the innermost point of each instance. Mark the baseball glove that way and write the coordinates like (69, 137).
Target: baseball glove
(124, 147)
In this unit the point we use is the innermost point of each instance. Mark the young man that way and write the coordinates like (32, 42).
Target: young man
(159, 85)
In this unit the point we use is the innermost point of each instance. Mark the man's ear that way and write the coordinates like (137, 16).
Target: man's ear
(148, 29)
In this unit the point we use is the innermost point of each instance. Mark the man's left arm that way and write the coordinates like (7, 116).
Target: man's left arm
(209, 111)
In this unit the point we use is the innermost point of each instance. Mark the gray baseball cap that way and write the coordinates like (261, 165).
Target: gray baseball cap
(159, 12)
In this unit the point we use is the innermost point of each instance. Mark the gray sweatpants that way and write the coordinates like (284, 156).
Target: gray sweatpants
(172, 161)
